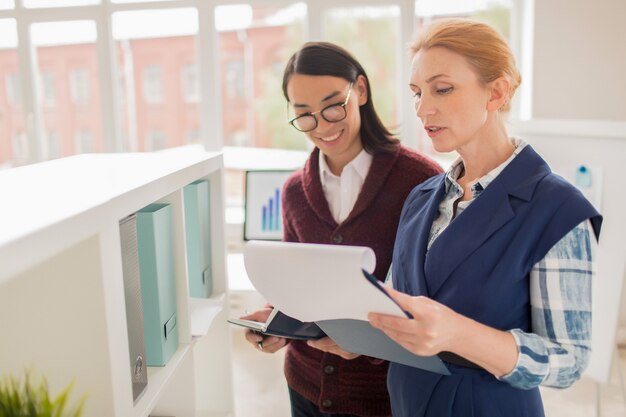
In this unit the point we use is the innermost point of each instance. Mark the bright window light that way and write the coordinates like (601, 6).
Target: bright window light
(454, 7)
(154, 23)
(58, 3)
(64, 33)
(8, 33)
(364, 12)
(233, 17)
(294, 13)
(7, 4)
(134, 1)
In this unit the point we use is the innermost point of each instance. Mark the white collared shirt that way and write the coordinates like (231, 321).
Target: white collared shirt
(342, 191)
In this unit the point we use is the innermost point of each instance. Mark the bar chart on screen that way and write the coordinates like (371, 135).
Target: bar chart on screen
(270, 216)
(263, 212)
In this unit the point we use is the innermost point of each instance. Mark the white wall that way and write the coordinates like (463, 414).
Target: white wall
(601, 146)
(579, 71)
(579, 60)
(579, 118)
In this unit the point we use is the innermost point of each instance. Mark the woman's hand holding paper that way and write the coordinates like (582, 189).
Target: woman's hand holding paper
(434, 327)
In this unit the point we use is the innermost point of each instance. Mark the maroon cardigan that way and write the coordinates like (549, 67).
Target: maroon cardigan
(337, 385)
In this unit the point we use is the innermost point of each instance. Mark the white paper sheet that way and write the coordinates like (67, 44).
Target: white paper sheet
(202, 311)
(313, 282)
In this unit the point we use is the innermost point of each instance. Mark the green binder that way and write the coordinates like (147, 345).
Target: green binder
(198, 238)
(158, 282)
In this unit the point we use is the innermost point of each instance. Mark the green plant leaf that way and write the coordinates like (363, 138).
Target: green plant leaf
(25, 398)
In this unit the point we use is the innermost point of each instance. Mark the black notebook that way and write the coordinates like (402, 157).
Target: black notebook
(281, 325)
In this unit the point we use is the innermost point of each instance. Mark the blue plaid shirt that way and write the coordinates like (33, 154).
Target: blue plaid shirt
(557, 351)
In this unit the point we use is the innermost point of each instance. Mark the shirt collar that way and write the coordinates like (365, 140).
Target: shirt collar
(361, 164)
(452, 174)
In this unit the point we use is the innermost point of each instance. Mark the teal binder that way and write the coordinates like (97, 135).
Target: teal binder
(158, 282)
(198, 238)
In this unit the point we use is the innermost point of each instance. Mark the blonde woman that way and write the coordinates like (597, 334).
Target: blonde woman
(494, 258)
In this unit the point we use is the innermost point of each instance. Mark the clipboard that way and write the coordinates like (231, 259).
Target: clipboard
(333, 287)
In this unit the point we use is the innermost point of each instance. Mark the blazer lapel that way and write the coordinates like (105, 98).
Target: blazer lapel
(485, 216)
(466, 234)
(412, 251)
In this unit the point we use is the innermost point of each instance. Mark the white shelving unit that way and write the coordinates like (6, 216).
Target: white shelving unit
(62, 311)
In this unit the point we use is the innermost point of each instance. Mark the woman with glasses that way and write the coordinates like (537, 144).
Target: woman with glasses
(494, 259)
(350, 192)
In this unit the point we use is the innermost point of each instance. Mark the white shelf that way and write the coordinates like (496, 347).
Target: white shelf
(62, 290)
(56, 204)
(203, 311)
(158, 378)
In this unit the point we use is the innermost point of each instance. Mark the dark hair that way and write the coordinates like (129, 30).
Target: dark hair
(324, 58)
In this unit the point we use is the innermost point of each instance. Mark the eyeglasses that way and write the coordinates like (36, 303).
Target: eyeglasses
(332, 114)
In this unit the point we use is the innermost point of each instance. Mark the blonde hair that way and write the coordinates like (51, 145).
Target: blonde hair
(486, 51)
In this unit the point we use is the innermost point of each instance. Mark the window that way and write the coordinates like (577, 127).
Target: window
(14, 90)
(159, 84)
(152, 84)
(134, 1)
(190, 83)
(20, 147)
(67, 65)
(494, 12)
(235, 80)
(7, 4)
(58, 3)
(84, 141)
(155, 140)
(161, 74)
(12, 121)
(48, 87)
(255, 42)
(54, 145)
(370, 33)
(192, 136)
(79, 86)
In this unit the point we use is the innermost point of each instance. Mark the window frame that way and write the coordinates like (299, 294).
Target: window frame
(211, 129)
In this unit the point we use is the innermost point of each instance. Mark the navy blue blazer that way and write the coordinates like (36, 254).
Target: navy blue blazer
(479, 266)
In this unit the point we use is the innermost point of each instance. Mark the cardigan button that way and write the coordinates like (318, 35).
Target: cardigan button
(329, 369)
(327, 403)
(338, 238)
